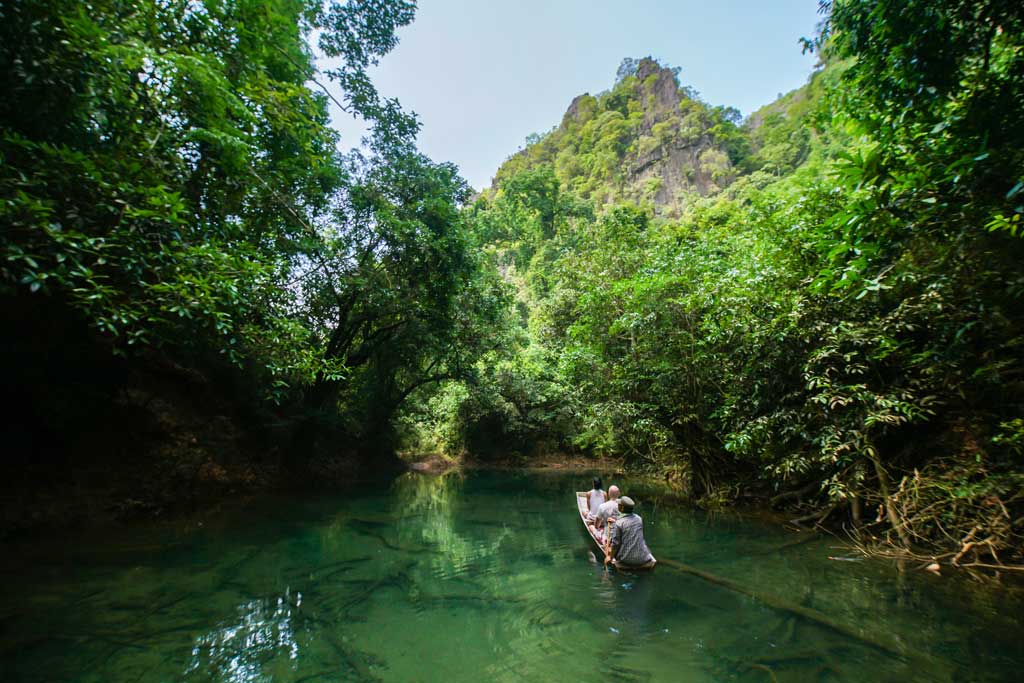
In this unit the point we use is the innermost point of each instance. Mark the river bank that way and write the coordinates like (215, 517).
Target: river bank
(173, 457)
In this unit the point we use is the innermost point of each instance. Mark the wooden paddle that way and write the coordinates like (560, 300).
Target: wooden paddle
(607, 539)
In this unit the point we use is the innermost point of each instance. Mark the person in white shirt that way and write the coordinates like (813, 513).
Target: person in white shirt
(609, 510)
(596, 497)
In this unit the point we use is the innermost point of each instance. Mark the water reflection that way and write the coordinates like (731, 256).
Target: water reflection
(428, 509)
(241, 651)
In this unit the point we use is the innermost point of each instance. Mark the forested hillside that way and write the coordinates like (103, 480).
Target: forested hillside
(645, 140)
(820, 305)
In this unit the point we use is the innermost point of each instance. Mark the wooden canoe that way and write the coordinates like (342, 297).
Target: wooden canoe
(583, 507)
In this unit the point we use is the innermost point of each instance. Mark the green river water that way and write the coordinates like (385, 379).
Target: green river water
(479, 577)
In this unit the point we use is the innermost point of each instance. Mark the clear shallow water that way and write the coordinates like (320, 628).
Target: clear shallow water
(484, 577)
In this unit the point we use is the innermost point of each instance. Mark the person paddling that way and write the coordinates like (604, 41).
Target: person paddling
(627, 547)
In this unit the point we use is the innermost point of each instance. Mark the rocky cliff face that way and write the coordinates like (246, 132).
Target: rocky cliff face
(646, 140)
(677, 164)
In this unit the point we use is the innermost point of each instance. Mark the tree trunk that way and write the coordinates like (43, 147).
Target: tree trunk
(856, 514)
(885, 485)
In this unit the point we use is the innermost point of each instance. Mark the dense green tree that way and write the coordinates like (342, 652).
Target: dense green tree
(394, 295)
(162, 161)
(170, 178)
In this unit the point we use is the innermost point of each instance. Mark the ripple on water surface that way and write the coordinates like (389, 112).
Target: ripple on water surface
(484, 577)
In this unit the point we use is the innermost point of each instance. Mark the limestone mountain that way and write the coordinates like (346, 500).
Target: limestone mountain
(651, 141)
(647, 140)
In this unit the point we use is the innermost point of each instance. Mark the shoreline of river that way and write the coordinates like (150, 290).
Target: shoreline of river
(213, 487)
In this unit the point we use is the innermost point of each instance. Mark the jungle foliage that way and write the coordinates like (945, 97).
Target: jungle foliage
(169, 178)
(839, 325)
(821, 304)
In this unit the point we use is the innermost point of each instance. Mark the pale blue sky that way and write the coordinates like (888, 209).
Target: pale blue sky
(484, 75)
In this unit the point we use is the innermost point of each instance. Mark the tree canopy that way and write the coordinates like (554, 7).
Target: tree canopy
(170, 176)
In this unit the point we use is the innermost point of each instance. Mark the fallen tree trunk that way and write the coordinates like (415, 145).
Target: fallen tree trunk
(817, 516)
(797, 493)
(804, 537)
(889, 503)
(807, 613)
